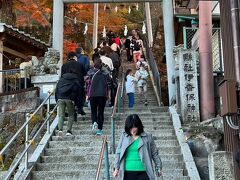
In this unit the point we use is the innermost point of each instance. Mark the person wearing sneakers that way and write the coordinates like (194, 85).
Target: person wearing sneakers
(135, 152)
(66, 95)
(98, 94)
(141, 75)
(130, 81)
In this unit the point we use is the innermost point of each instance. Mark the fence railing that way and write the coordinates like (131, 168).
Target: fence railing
(13, 80)
(155, 71)
(190, 41)
(103, 153)
(117, 108)
(28, 142)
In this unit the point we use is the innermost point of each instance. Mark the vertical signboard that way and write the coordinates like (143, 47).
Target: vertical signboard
(188, 86)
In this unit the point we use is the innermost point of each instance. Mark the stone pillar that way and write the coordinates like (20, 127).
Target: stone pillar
(221, 165)
(206, 65)
(58, 15)
(189, 101)
(169, 44)
(1, 66)
(149, 24)
(95, 26)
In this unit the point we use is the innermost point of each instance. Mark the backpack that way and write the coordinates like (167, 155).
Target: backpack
(98, 76)
(136, 46)
(67, 88)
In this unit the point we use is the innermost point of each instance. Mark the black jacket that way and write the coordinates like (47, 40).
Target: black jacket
(68, 87)
(98, 85)
(73, 66)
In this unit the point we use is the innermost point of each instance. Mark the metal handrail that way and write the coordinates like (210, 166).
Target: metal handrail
(28, 143)
(104, 150)
(113, 120)
(155, 72)
(122, 90)
(116, 100)
(118, 97)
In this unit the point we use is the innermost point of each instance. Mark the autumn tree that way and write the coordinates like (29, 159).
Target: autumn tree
(7, 14)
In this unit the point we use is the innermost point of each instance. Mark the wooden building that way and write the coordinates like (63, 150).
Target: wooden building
(15, 44)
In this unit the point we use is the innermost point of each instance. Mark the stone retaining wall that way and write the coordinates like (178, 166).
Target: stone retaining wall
(12, 115)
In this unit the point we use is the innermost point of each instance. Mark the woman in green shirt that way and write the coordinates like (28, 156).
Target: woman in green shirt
(135, 152)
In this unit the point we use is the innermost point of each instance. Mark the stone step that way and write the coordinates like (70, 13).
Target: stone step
(137, 98)
(90, 137)
(59, 144)
(143, 112)
(77, 166)
(149, 118)
(78, 175)
(150, 97)
(80, 158)
(140, 104)
(140, 111)
(161, 123)
(163, 132)
(147, 123)
(77, 151)
(117, 127)
(155, 109)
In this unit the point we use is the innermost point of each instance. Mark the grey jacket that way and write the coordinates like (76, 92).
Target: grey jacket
(147, 152)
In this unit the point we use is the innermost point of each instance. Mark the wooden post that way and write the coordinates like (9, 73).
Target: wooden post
(1, 66)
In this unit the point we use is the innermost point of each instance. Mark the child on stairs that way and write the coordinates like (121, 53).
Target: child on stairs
(141, 75)
(130, 87)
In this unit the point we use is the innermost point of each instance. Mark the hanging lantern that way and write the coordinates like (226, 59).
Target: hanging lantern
(137, 7)
(104, 32)
(116, 8)
(134, 6)
(75, 20)
(108, 8)
(104, 7)
(125, 30)
(144, 28)
(85, 29)
(129, 10)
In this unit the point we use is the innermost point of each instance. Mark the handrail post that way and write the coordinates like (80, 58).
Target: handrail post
(48, 113)
(184, 37)
(106, 159)
(118, 101)
(26, 141)
(113, 134)
(25, 78)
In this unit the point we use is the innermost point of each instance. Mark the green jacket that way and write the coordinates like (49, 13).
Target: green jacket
(147, 151)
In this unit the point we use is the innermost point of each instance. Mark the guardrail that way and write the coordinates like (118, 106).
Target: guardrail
(28, 142)
(155, 72)
(104, 150)
(118, 100)
(13, 80)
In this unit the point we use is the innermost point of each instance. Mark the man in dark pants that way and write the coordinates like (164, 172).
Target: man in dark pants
(72, 66)
(66, 94)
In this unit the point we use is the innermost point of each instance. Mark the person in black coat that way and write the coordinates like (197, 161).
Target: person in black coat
(67, 91)
(98, 94)
(72, 66)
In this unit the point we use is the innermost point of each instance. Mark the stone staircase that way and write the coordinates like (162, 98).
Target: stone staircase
(76, 157)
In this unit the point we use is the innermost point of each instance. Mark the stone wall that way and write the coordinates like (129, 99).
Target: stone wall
(12, 115)
(203, 139)
(22, 101)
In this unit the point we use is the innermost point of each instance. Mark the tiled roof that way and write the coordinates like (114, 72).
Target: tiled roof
(4, 28)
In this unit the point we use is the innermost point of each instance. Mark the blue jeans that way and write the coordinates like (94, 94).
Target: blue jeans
(130, 100)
